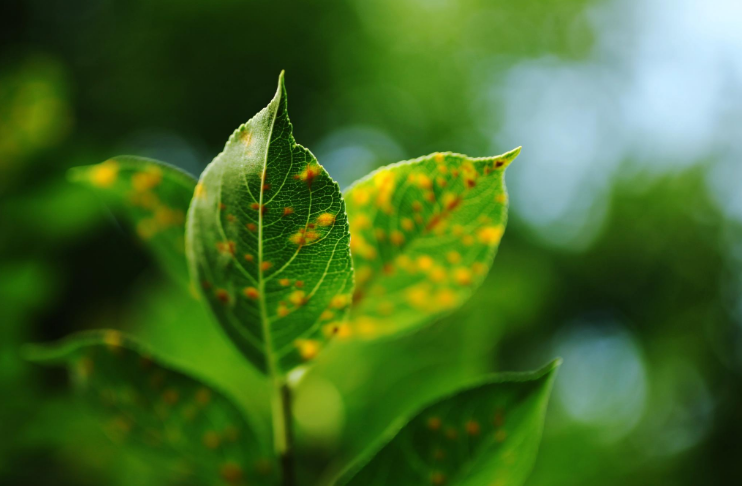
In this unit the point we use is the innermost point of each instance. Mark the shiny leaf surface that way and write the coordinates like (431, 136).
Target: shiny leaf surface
(268, 243)
(425, 233)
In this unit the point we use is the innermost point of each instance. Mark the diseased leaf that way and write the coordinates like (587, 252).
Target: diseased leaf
(153, 196)
(148, 404)
(268, 242)
(487, 434)
(425, 233)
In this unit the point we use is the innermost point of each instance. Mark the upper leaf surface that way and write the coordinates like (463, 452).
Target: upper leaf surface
(150, 405)
(268, 242)
(153, 196)
(487, 434)
(425, 233)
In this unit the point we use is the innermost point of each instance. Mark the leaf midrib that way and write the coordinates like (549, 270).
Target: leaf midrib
(264, 322)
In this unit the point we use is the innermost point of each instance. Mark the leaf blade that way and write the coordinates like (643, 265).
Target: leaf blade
(153, 196)
(156, 407)
(464, 439)
(424, 235)
(268, 240)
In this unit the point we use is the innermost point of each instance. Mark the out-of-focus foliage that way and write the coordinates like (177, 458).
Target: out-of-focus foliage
(654, 288)
(154, 197)
(193, 433)
(466, 438)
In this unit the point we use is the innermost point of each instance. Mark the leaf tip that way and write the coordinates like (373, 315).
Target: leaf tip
(504, 160)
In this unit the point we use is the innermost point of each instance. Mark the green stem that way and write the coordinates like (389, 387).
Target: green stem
(283, 431)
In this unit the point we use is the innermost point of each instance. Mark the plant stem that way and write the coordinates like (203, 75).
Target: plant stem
(283, 431)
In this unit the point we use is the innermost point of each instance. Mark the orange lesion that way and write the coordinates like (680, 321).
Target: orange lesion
(222, 296)
(326, 219)
(226, 247)
(231, 472)
(472, 427)
(310, 172)
(146, 180)
(251, 293)
(259, 207)
(288, 211)
(304, 236)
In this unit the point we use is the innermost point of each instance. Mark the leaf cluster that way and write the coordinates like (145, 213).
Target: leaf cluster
(289, 266)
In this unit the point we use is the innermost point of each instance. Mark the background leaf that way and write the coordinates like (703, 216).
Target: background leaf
(425, 234)
(268, 242)
(487, 434)
(205, 437)
(153, 196)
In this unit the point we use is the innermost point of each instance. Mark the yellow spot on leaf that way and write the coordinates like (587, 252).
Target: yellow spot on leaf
(265, 266)
(284, 282)
(434, 423)
(226, 247)
(340, 301)
(462, 276)
(396, 237)
(308, 348)
(298, 297)
(491, 235)
(282, 311)
(360, 222)
(105, 174)
(249, 257)
(407, 224)
(425, 263)
(326, 219)
(453, 257)
(146, 180)
(199, 192)
(287, 211)
(439, 158)
(501, 198)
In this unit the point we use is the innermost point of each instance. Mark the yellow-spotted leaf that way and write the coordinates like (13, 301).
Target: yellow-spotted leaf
(153, 196)
(424, 235)
(149, 405)
(487, 434)
(268, 243)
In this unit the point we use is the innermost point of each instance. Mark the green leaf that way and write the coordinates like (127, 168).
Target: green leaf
(486, 434)
(268, 243)
(153, 196)
(151, 405)
(425, 233)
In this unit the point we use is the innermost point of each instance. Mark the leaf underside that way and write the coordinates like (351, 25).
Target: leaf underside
(485, 435)
(196, 429)
(424, 235)
(268, 243)
(154, 198)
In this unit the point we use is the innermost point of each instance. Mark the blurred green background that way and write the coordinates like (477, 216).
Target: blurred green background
(623, 254)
